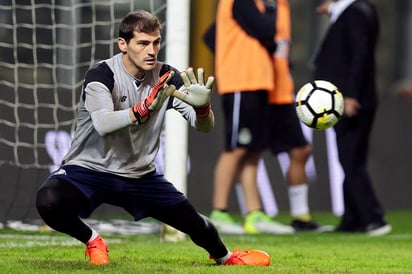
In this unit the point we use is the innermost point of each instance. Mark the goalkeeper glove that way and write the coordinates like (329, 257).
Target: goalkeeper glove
(160, 92)
(196, 92)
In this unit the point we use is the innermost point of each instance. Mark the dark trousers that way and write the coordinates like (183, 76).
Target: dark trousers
(360, 202)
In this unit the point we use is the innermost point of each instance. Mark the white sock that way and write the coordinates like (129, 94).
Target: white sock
(298, 199)
(224, 259)
(94, 235)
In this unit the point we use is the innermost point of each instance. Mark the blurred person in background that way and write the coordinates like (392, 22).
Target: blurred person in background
(286, 134)
(244, 74)
(346, 57)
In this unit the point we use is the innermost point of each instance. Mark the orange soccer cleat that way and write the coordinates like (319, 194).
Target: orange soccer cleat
(249, 257)
(98, 251)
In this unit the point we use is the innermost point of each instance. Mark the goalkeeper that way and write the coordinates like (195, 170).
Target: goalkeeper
(121, 111)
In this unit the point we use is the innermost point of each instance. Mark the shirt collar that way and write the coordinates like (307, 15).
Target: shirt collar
(337, 8)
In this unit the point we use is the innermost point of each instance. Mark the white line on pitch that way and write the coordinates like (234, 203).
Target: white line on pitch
(41, 240)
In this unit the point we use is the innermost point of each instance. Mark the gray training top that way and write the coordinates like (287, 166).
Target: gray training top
(105, 138)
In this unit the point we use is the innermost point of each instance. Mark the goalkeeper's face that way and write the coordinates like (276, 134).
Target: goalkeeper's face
(140, 53)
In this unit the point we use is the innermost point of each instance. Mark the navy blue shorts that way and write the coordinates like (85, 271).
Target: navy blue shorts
(285, 129)
(136, 196)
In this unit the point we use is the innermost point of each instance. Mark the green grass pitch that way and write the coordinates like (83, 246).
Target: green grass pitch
(51, 252)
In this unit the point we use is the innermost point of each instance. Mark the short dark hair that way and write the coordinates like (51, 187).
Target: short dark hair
(140, 21)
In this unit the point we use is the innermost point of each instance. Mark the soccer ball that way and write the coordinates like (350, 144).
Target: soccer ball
(319, 104)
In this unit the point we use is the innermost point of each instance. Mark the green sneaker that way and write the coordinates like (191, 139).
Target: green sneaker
(258, 222)
(225, 223)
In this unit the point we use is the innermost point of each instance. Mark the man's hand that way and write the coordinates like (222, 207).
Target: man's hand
(160, 92)
(352, 106)
(324, 7)
(270, 6)
(196, 92)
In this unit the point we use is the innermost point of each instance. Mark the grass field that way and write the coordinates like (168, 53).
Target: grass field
(51, 252)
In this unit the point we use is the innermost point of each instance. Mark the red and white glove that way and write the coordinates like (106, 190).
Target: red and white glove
(160, 92)
(196, 93)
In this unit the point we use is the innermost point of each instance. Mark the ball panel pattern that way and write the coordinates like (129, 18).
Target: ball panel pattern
(319, 104)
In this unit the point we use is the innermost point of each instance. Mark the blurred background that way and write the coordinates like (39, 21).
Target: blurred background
(391, 146)
(40, 81)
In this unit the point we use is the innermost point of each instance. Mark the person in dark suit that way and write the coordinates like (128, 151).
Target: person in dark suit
(346, 58)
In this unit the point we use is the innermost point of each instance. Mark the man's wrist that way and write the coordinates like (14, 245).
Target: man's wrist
(203, 111)
(141, 111)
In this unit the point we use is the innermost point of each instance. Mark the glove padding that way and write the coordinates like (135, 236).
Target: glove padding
(196, 92)
(160, 92)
